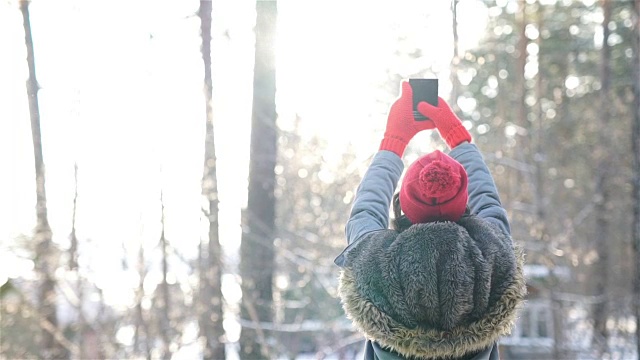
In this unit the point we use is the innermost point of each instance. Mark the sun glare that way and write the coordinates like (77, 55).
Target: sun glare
(127, 107)
(472, 22)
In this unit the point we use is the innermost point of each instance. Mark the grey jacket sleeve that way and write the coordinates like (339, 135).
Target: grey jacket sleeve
(483, 194)
(370, 210)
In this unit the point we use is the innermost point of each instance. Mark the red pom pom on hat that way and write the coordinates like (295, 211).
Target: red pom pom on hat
(439, 179)
(434, 188)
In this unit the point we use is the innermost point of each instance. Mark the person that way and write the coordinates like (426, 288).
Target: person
(446, 282)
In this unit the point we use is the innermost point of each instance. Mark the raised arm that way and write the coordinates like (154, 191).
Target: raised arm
(373, 198)
(370, 209)
(483, 195)
(484, 200)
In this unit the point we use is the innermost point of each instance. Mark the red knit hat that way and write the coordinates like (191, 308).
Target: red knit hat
(434, 188)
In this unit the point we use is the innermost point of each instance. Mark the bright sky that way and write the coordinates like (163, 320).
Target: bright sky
(121, 95)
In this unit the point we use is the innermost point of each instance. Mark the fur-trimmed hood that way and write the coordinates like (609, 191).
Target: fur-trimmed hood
(436, 290)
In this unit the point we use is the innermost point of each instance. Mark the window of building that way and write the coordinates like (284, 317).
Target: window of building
(535, 321)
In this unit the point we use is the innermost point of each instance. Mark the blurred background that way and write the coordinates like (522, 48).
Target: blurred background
(178, 174)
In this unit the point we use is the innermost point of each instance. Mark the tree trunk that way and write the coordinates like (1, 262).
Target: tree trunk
(635, 149)
(521, 116)
(455, 84)
(80, 327)
(142, 333)
(601, 192)
(210, 295)
(257, 250)
(73, 248)
(45, 264)
(539, 146)
(521, 152)
(165, 308)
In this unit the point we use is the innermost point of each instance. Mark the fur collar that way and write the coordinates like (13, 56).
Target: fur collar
(421, 342)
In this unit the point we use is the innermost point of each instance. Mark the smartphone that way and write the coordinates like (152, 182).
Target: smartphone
(423, 90)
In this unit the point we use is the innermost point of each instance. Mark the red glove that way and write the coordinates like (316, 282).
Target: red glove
(449, 125)
(401, 125)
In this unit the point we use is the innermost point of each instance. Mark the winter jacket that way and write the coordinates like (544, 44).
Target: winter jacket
(367, 230)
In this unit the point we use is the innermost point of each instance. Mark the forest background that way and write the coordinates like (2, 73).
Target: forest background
(201, 158)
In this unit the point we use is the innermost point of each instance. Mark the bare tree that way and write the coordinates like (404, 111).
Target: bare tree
(165, 308)
(73, 248)
(635, 149)
(210, 314)
(602, 193)
(523, 42)
(257, 250)
(455, 61)
(45, 259)
(80, 325)
(142, 332)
